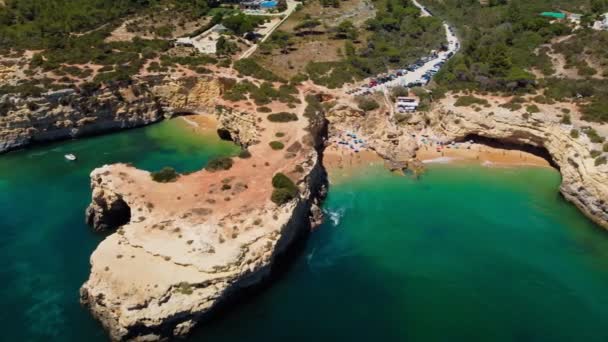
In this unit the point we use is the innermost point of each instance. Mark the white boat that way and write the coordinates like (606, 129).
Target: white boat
(70, 157)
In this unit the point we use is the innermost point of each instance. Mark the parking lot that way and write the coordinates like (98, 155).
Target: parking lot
(417, 74)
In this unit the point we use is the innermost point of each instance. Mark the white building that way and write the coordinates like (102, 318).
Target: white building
(406, 104)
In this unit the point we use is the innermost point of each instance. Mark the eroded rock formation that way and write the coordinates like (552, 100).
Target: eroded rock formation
(192, 244)
(583, 183)
(67, 114)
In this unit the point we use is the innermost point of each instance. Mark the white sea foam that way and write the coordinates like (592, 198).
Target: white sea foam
(335, 216)
(439, 160)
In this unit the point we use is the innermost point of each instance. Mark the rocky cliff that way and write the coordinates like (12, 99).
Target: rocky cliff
(193, 244)
(583, 182)
(189, 94)
(73, 113)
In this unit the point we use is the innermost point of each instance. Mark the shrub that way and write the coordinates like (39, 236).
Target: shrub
(605, 147)
(165, 175)
(593, 136)
(244, 154)
(399, 91)
(218, 164)
(184, 288)
(249, 67)
(595, 153)
(574, 133)
(566, 119)
(367, 104)
(282, 117)
(276, 145)
(469, 100)
(264, 110)
(284, 189)
(600, 160)
(532, 109)
(279, 134)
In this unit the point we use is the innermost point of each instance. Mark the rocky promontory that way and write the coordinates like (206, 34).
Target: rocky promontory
(184, 247)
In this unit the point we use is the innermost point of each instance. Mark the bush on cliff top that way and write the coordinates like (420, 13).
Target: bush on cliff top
(367, 104)
(218, 164)
(282, 117)
(284, 189)
(276, 145)
(165, 175)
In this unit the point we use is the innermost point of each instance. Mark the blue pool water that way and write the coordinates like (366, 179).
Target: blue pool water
(268, 4)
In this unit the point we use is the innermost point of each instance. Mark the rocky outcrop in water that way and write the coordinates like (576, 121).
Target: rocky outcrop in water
(107, 211)
(73, 113)
(195, 244)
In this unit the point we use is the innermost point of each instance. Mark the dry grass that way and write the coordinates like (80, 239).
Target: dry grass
(321, 46)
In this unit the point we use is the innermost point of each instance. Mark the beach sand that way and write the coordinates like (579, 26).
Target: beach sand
(482, 154)
(342, 163)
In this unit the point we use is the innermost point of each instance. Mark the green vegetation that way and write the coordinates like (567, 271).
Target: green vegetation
(594, 136)
(367, 103)
(469, 100)
(574, 133)
(585, 46)
(249, 67)
(397, 36)
(262, 95)
(165, 175)
(284, 189)
(244, 154)
(184, 288)
(595, 153)
(566, 119)
(282, 117)
(600, 160)
(224, 47)
(219, 164)
(532, 109)
(241, 23)
(498, 42)
(74, 32)
(276, 145)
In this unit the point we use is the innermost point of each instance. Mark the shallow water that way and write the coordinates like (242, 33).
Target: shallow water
(465, 253)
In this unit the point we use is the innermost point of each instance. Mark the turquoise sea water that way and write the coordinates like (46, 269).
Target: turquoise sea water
(463, 254)
(45, 244)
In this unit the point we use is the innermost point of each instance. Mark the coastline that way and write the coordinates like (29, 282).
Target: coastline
(342, 163)
(481, 154)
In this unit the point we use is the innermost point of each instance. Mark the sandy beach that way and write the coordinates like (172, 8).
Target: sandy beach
(482, 154)
(342, 163)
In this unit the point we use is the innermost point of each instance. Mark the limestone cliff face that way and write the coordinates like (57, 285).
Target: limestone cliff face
(189, 94)
(240, 127)
(583, 183)
(387, 139)
(68, 114)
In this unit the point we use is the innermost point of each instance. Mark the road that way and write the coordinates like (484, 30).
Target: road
(291, 6)
(416, 75)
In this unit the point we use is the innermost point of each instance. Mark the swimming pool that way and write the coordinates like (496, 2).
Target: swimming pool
(268, 4)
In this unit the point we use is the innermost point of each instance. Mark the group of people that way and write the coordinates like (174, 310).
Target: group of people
(351, 141)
